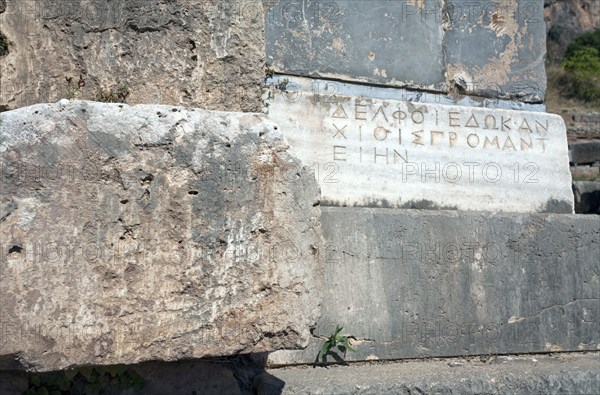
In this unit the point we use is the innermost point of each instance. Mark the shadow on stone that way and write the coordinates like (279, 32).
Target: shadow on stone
(587, 197)
(240, 374)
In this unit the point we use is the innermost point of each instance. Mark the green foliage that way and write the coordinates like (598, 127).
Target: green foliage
(586, 40)
(580, 74)
(108, 96)
(335, 340)
(74, 88)
(582, 77)
(274, 87)
(3, 45)
(86, 380)
(269, 72)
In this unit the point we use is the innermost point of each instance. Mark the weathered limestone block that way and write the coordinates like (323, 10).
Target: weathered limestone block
(200, 53)
(394, 153)
(151, 233)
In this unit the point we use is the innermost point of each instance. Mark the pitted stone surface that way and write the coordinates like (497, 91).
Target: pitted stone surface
(391, 153)
(200, 53)
(151, 233)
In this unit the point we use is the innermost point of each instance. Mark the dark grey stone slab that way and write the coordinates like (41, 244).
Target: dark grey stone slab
(587, 197)
(385, 42)
(561, 374)
(412, 283)
(496, 48)
(486, 48)
(585, 152)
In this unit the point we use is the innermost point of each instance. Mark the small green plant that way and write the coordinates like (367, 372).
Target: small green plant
(74, 88)
(108, 96)
(282, 84)
(86, 380)
(3, 45)
(273, 88)
(269, 73)
(335, 340)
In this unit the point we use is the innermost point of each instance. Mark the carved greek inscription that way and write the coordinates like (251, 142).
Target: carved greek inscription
(382, 132)
(493, 143)
(360, 112)
(340, 113)
(435, 135)
(339, 131)
(453, 118)
(418, 137)
(380, 111)
(472, 122)
(473, 140)
(490, 122)
(339, 153)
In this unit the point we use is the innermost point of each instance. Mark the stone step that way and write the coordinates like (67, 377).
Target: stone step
(528, 374)
(584, 152)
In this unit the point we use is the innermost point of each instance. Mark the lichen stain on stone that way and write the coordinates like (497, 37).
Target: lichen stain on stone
(418, 4)
(515, 319)
(553, 347)
(218, 43)
(496, 71)
(498, 23)
(338, 45)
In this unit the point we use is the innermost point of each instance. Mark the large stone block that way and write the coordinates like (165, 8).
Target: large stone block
(411, 283)
(151, 233)
(587, 197)
(199, 53)
(484, 48)
(584, 152)
(357, 40)
(392, 153)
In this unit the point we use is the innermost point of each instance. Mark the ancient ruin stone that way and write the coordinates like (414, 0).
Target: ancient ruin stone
(430, 45)
(207, 53)
(151, 233)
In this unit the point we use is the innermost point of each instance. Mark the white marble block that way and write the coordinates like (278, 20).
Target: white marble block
(392, 153)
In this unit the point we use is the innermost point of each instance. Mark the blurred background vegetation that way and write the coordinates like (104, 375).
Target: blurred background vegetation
(574, 81)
